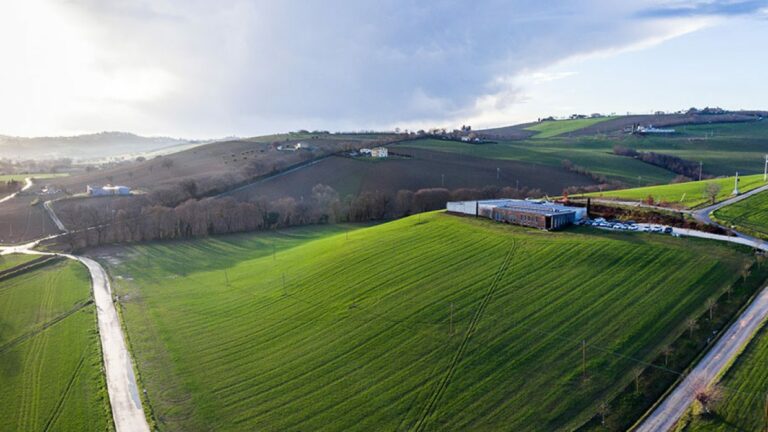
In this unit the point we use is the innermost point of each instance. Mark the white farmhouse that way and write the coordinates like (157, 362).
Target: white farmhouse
(379, 152)
(107, 190)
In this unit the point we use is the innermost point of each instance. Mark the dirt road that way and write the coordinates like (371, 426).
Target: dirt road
(27, 185)
(127, 411)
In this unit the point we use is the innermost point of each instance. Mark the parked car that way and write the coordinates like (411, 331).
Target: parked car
(668, 230)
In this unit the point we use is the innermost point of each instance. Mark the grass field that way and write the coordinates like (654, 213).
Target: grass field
(548, 129)
(12, 260)
(689, 194)
(50, 358)
(749, 215)
(723, 148)
(353, 331)
(21, 177)
(742, 407)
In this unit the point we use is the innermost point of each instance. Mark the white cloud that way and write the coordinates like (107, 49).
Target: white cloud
(202, 67)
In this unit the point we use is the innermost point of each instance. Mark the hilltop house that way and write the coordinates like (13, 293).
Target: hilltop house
(107, 190)
(379, 152)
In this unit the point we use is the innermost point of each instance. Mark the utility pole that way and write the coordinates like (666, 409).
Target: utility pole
(498, 170)
(274, 252)
(226, 277)
(736, 184)
(765, 170)
(701, 165)
(584, 359)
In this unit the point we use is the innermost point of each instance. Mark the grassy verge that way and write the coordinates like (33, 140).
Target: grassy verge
(749, 216)
(659, 376)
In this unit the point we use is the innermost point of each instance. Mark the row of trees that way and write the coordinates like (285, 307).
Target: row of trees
(9, 187)
(95, 222)
(689, 169)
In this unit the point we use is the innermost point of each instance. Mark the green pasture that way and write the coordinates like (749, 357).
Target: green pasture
(50, 358)
(432, 322)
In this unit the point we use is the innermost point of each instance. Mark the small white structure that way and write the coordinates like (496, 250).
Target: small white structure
(379, 152)
(365, 151)
(652, 130)
(107, 190)
(736, 184)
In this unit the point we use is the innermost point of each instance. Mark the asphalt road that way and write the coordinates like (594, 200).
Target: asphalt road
(666, 415)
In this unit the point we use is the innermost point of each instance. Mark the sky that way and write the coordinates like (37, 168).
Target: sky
(205, 69)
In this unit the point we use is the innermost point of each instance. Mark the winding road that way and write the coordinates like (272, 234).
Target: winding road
(666, 415)
(127, 410)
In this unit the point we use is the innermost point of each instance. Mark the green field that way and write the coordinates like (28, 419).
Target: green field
(743, 389)
(315, 328)
(749, 215)
(12, 260)
(50, 358)
(688, 195)
(549, 129)
(21, 177)
(723, 148)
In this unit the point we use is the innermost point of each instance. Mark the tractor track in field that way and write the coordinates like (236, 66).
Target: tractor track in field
(60, 403)
(436, 395)
(45, 326)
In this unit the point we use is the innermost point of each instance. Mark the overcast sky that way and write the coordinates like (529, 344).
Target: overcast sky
(205, 68)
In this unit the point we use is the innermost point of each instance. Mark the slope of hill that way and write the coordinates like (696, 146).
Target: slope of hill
(433, 322)
(90, 146)
(421, 169)
(50, 358)
(749, 216)
(685, 195)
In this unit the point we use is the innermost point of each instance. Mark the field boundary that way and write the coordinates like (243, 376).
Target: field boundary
(45, 326)
(28, 266)
(437, 394)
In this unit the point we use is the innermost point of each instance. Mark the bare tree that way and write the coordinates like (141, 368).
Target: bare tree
(711, 190)
(711, 306)
(603, 410)
(707, 396)
(692, 325)
(667, 351)
(637, 372)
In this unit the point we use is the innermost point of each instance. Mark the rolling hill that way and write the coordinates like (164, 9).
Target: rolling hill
(748, 216)
(432, 322)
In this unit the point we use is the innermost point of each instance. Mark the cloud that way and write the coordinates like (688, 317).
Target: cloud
(200, 67)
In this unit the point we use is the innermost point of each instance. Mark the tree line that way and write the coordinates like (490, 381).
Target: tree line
(677, 165)
(98, 222)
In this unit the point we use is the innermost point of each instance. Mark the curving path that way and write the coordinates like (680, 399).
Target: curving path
(27, 185)
(127, 410)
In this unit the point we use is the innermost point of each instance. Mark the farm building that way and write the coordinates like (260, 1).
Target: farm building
(379, 152)
(533, 213)
(107, 190)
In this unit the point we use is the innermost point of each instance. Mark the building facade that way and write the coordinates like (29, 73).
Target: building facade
(532, 213)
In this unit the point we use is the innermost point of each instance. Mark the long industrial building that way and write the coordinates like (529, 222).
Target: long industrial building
(533, 213)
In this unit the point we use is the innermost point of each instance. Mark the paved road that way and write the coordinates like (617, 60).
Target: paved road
(127, 411)
(718, 359)
(27, 185)
(54, 217)
(666, 415)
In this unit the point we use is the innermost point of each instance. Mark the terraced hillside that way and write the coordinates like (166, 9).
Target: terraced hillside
(685, 195)
(743, 394)
(432, 322)
(749, 215)
(50, 357)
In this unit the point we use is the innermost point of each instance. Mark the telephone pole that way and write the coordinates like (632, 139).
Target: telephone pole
(765, 170)
(226, 277)
(701, 165)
